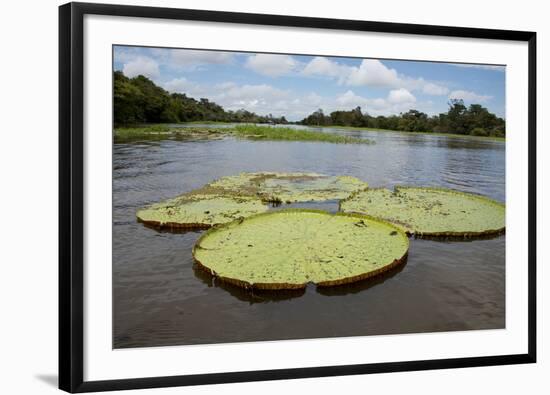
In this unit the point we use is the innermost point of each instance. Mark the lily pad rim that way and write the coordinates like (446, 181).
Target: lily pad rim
(455, 191)
(427, 188)
(288, 286)
(266, 200)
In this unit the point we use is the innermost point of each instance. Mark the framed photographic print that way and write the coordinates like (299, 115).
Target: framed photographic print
(253, 197)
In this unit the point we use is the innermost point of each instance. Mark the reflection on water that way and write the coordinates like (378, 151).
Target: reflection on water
(161, 298)
(252, 296)
(361, 285)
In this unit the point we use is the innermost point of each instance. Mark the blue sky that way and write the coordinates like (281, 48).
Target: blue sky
(296, 85)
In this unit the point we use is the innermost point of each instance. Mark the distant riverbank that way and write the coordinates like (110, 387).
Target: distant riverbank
(360, 128)
(250, 131)
(268, 132)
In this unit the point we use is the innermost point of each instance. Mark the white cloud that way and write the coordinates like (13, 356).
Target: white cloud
(265, 99)
(371, 72)
(314, 99)
(321, 66)
(350, 99)
(181, 85)
(137, 61)
(190, 59)
(431, 88)
(125, 54)
(233, 93)
(469, 96)
(271, 65)
(401, 95)
(141, 65)
(398, 100)
(261, 98)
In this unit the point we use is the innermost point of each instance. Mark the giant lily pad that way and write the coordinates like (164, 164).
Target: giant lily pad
(290, 187)
(432, 212)
(199, 211)
(289, 248)
(240, 196)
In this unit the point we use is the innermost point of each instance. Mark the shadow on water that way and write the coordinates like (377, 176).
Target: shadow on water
(360, 286)
(461, 239)
(173, 230)
(268, 296)
(250, 296)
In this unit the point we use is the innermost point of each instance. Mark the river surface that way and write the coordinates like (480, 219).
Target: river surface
(160, 298)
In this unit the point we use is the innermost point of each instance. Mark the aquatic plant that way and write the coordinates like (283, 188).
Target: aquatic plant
(196, 211)
(290, 187)
(289, 248)
(242, 195)
(431, 212)
(291, 134)
(165, 131)
(162, 131)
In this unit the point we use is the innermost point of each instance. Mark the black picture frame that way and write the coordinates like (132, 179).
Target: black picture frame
(71, 182)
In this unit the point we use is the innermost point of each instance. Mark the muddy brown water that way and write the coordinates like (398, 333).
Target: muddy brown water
(160, 298)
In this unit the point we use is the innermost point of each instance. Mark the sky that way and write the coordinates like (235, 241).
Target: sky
(297, 85)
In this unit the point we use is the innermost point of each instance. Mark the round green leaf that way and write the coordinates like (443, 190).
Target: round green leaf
(433, 212)
(199, 211)
(289, 248)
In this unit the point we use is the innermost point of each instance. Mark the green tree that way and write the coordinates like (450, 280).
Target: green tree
(456, 117)
(140, 100)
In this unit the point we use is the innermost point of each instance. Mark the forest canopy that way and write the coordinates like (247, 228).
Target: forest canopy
(139, 100)
(474, 120)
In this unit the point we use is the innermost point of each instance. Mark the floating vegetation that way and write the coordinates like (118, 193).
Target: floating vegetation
(248, 131)
(196, 211)
(431, 212)
(290, 187)
(290, 134)
(240, 196)
(161, 131)
(289, 248)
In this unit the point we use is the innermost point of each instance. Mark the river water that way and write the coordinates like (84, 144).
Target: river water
(160, 298)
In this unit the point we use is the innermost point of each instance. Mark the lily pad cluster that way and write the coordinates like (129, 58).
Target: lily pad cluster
(252, 247)
(431, 212)
(240, 196)
(289, 248)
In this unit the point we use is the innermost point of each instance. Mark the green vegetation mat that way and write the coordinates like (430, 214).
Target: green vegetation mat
(240, 196)
(289, 248)
(255, 132)
(289, 187)
(290, 134)
(160, 132)
(431, 212)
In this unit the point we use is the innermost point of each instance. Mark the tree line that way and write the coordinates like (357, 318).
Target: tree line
(474, 120)
(139, 100)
